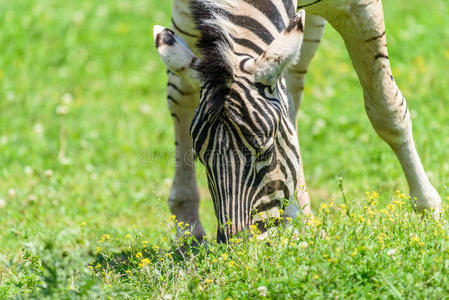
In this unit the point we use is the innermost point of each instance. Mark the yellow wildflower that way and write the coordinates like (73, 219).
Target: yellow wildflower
(128, 236)
(284, 241)
(139, 254)
(144, 262)
(105, 237)
(391, 206)
(253, 228)
(415, 239)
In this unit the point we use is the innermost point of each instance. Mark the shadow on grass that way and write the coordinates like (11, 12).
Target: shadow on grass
(126, 260)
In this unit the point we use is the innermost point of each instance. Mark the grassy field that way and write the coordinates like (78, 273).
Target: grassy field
(86, 161)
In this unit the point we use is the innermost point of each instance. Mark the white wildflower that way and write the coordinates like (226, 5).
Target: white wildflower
(303, 245)
(391, 252)
(48, 173)
(28, 170)
(262, 291)
(38, 129)
(65, 160)
(12, 193)
(295, 235)
(67, 99)
(2, 203)
(62, 110)
(167, 297)
(145, 109)
(262, 236)
(322, 234)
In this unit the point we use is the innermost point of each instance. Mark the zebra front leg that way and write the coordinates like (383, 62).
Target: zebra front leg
(362, 27)
(314, 27)
(313, 31)
(183, 200)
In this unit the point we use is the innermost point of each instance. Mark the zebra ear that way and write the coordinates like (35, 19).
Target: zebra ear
(282, 52)
(176, 55)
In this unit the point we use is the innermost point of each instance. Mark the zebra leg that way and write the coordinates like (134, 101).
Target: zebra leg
(184, 197)
(362, 27)
(313, 31)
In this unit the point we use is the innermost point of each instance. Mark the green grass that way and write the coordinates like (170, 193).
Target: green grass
(117, 164)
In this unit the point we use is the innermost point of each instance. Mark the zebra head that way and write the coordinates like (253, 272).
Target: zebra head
(241, 131)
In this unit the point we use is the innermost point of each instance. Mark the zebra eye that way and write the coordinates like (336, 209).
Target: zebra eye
(265, 154)
(269, 92)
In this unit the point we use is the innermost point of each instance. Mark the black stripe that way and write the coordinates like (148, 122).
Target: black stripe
(310, 4)
(254, 26)
(175, 116)
(406, 112)
(380, 55)
(181, 92)
(311, 41)
(248, 44)
(269, 205)
(289, 7)
(271, 187)
(266, 111)
(376, 37)
(170, 98)
(179, 30)
(270, 11)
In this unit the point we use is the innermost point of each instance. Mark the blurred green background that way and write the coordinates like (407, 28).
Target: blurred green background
(85, 134)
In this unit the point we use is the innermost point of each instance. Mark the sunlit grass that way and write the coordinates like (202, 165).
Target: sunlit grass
(342, 252)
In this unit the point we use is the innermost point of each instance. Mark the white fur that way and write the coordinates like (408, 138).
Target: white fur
(282, 52)
(178, 57)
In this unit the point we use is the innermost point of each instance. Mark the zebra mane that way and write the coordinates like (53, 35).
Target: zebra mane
(215, 44)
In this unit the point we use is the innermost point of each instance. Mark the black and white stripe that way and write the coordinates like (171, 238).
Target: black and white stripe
(241, 130)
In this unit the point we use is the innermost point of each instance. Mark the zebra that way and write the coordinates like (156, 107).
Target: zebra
(236, 73)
